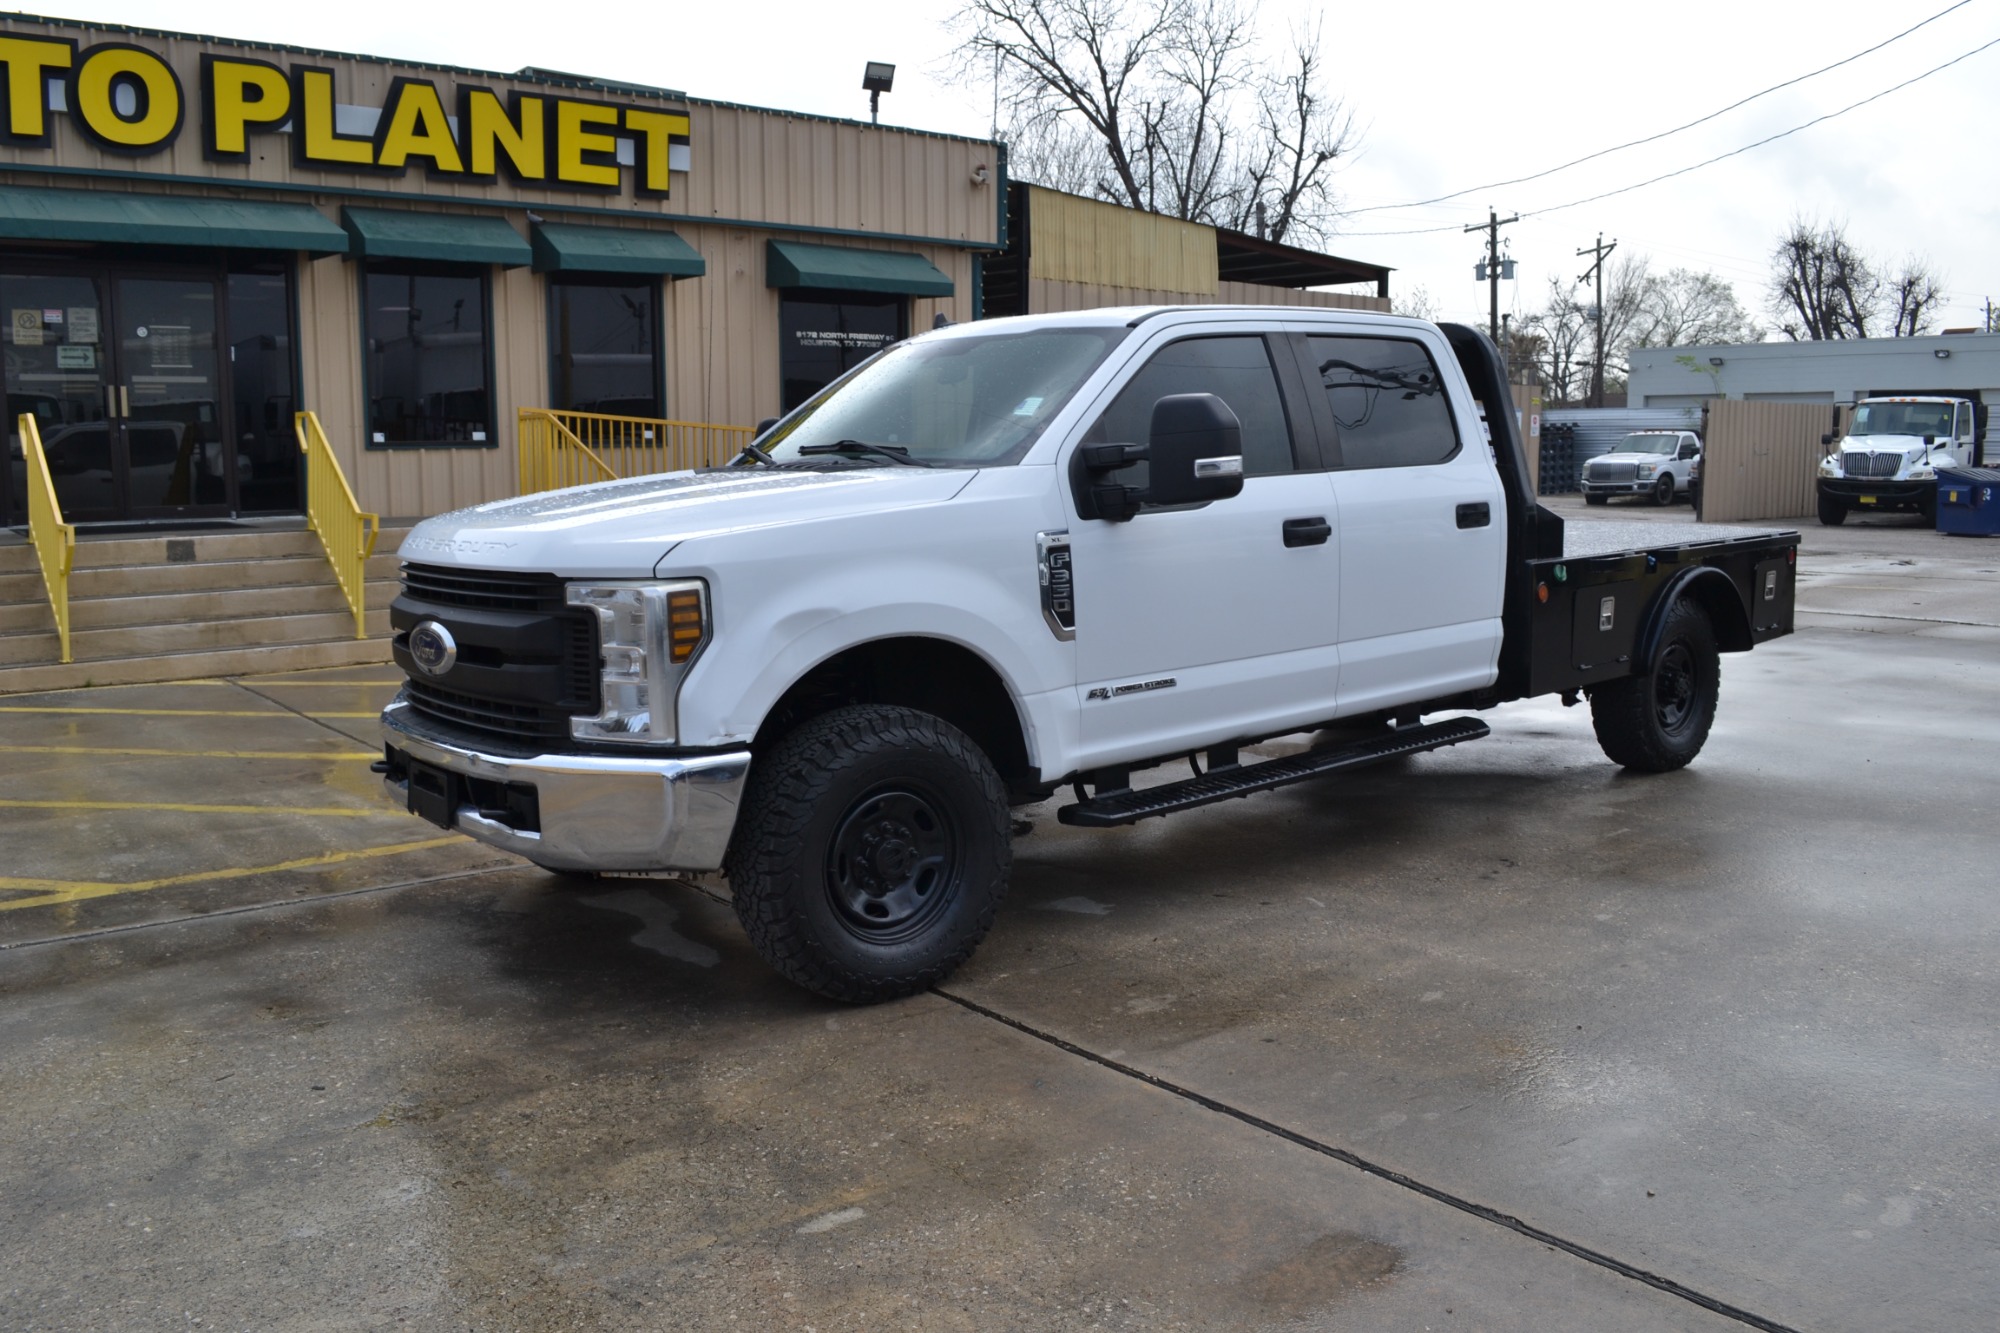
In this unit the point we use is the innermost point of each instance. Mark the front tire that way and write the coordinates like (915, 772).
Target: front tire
(1832, 512)
(871, 852)
(1658, 720)
(1590, 499)
(1663, 490)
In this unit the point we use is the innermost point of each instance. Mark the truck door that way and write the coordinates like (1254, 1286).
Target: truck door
(1220, 617)
(1423, 536)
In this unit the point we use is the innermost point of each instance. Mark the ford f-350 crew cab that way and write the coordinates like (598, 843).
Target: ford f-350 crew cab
(1012, 557)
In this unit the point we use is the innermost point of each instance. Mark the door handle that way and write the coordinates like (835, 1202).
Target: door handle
(1475, 515)
(124, 401)
(110, 402)
(1307, 531)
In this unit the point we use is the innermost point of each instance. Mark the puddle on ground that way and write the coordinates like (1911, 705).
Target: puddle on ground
(1322, 1273)
(1079, 905)
(659, 935)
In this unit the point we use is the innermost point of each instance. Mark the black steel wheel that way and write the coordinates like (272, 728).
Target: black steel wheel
(1663, 490)
(871, 852)
(1658, 720)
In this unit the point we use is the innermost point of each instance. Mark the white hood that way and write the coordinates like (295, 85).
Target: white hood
(622, 529)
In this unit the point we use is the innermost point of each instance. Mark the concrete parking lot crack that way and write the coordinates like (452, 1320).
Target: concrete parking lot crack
(1359, 1163)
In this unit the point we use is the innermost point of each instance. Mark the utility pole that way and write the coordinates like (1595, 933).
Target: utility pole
(1494, 222)
(1603, 252)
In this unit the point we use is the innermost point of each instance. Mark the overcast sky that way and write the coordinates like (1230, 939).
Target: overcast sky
(1451, 96)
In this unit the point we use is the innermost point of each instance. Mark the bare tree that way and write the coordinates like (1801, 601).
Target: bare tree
(1561, 333)
(1822, 288)
(1686, 308)
(1163, 105)
(1416, 300)
(1916, 291)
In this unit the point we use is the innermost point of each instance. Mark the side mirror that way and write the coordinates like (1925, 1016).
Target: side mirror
(1194, 454)
(1826, 439)
(1196, 451)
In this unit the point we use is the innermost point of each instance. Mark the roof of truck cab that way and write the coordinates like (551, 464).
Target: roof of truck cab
(1136, 315)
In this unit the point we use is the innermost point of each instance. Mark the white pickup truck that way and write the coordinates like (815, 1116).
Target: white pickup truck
(1007, 558)
(1891, 453)
(1663, 465)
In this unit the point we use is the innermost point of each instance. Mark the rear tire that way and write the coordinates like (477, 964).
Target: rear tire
(1590, 499)
(871, 852)
(1663, 490)
(1658, 720)
(1832, 512)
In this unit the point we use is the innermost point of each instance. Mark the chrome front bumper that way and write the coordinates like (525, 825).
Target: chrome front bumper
(594, 812)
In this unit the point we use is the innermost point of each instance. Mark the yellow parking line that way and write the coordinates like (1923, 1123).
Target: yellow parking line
(51, 892)
(337, 811)
(265, 682)
(189, 754)
(174, 712)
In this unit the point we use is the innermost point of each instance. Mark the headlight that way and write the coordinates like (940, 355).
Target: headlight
(649, 635)
(1923, 472)
(1646, 470)
(1830, 466)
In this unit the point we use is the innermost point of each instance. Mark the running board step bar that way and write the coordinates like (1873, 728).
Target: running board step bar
(1126, 806)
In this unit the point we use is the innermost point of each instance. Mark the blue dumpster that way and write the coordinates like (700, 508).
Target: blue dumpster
(1969, 501)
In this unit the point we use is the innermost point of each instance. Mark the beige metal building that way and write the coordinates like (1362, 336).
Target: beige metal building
(200, 237)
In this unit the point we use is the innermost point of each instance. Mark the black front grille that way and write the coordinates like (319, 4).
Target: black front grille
(484, 589)
(527, 661)
(492, 717)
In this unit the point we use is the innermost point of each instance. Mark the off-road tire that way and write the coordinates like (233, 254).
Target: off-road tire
(1927, 507)
(1590, 499)
(1663, 490)
(1658, 720)
(871, 852)
(1832, 513)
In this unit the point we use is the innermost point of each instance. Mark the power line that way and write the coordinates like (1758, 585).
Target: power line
(1734, 152)
(1654, 138)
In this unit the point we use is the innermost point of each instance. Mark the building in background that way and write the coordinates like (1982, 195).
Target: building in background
(199, 237)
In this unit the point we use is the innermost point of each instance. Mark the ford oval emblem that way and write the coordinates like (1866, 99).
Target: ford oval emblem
(432, 648)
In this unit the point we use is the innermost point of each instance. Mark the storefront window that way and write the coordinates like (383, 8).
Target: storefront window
(429, 355)
(604, 347)
(827, 334)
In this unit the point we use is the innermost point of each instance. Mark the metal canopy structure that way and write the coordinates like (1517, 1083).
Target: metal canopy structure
(1242, 257)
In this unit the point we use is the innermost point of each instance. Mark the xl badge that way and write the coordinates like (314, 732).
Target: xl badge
(432, 648)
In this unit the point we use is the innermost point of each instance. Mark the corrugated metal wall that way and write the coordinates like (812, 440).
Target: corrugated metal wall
(747, 163)
(1760, 459)
(1599, 429)
(1087, 241)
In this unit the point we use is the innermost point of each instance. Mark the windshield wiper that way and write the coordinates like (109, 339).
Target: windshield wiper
(757, 453)
(895, 453)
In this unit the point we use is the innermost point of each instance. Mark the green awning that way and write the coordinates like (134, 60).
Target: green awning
(563, 248)
(381, 233)
(792, 264)
(162, 219)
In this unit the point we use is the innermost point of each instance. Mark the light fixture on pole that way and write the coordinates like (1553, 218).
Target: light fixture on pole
(877, 79)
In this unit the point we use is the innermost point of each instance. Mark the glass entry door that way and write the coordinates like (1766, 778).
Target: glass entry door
(122, 376)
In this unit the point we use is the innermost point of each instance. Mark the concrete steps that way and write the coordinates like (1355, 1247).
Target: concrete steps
(177, 606)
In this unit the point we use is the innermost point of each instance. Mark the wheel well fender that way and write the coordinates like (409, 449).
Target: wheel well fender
(1716, 594)
(933, 676)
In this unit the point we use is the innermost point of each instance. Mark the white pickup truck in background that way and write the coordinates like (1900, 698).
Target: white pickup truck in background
(1891, 453)
(1663, 465)
(1014, 557)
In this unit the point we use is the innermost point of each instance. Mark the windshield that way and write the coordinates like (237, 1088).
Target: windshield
(965, 402)
(1649, 444)
(1902, 419)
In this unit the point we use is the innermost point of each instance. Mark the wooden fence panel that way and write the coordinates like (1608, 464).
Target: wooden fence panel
(1760, 460)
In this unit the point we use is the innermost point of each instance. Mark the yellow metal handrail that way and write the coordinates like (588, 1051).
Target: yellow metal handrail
(346, 532)
(575, 448)
(54, 540)
(552, 457)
